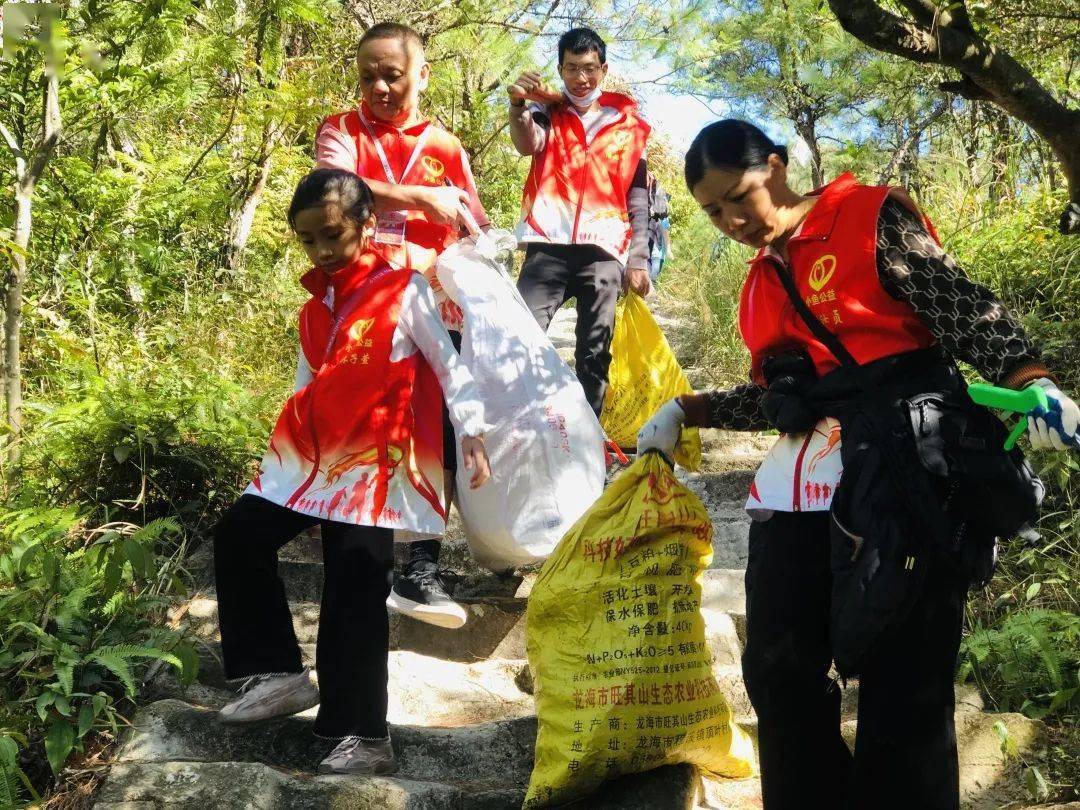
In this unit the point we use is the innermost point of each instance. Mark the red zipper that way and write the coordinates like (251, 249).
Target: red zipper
(795, 503)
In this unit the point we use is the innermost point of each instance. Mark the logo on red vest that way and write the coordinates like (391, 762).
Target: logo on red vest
(619, 143)
(822, 271)
(433, 169)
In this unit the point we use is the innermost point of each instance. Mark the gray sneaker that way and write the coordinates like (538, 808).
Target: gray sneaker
(264, 697)
(357, 756)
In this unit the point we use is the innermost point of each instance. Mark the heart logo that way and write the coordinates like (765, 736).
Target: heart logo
(822, 271)
(433, 168)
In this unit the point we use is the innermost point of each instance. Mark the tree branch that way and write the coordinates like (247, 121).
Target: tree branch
(953, 43)
(909, 141)
(52, 126)
(925, 12)
(11, 141)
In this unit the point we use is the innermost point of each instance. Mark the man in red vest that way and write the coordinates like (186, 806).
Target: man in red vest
(585, 207)
(424, 195)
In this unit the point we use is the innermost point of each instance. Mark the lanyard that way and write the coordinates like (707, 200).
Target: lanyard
(417, 149)
(354, 301)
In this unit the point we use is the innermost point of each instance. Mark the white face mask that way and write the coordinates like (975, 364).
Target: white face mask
(583, 101)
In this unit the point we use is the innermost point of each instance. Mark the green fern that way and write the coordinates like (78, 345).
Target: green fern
(1028, 662)
(116, 658)
(11, 794)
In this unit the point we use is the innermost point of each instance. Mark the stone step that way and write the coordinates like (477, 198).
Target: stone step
(495, 627)
(496, 624)
(988, 780)
(431, 691)
(422, 690)
(179, 755)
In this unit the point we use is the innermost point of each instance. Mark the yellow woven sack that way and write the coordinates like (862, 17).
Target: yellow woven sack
(644, 374)
(616, 643)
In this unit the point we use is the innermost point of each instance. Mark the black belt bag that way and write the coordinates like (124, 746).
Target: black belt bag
(994, 491)
(925, 475)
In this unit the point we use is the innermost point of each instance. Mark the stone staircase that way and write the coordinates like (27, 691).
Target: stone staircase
(461, 711)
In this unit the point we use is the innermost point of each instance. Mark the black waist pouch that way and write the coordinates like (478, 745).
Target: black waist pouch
(964, 442)
(991, 492)
(884, 520)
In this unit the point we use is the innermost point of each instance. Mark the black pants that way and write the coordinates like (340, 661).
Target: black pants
(905, 748)
(553, 273)
(256, 627)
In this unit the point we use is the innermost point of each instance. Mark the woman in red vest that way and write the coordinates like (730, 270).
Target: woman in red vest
(424, 197)
(357, 451)
(851, 292)
(585, 206)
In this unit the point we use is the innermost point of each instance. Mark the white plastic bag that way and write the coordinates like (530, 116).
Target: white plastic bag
(545, 443)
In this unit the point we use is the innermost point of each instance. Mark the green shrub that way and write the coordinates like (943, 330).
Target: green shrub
(142, 446)
(1028, 662)
(81, 619)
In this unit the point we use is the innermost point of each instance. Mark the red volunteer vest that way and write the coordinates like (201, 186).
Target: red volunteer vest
(833, 261)
(362, 418)
(576, 192)
(439, 162)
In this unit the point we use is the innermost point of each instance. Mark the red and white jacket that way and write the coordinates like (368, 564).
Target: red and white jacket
(577, 187)
(832, 258)
(423, 154)
(360, 441)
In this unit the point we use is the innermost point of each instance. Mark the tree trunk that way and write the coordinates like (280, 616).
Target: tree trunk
(806, 128)
(29, 166)
(244, 218)
(13, 293)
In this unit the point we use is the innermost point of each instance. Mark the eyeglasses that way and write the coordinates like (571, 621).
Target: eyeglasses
(590, 72)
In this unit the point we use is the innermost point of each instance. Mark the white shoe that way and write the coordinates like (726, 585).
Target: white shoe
(264, 697)
(357, 756)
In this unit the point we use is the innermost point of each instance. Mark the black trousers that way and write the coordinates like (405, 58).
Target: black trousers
(256, 627)
(551, 274)
(905, 748)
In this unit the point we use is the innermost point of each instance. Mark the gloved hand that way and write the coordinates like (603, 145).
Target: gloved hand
(1045, 436)
(662, 431)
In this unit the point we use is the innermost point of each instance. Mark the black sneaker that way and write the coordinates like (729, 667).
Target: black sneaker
(420, 593)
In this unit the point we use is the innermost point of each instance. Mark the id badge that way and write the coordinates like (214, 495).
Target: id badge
(390, 228)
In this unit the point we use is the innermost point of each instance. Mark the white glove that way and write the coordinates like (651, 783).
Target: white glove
(662, 431)
(1042, 435)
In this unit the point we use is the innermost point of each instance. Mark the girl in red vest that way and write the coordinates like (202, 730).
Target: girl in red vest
(865, 264)
(424, 196)
(357, 451)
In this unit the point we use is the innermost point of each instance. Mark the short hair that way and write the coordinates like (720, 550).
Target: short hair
(729, 144)
(324, 186)
(404, 34)
(581, 41)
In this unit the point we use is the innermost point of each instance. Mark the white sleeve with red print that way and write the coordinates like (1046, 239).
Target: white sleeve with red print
(335, 148)
(304, 375)
(420, 328)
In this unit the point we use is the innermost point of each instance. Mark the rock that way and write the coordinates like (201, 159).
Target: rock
(525, 681)
(489, 755)
(967, 699)
(199, 785)
(987, 779)
(730, 794)
(180, 756)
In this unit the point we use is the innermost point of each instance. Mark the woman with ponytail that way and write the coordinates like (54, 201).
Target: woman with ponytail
(861, 551)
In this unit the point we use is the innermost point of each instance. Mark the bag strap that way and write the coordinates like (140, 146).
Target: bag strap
(820, 331)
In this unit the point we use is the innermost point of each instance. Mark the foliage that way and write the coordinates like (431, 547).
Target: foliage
(81, 614)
